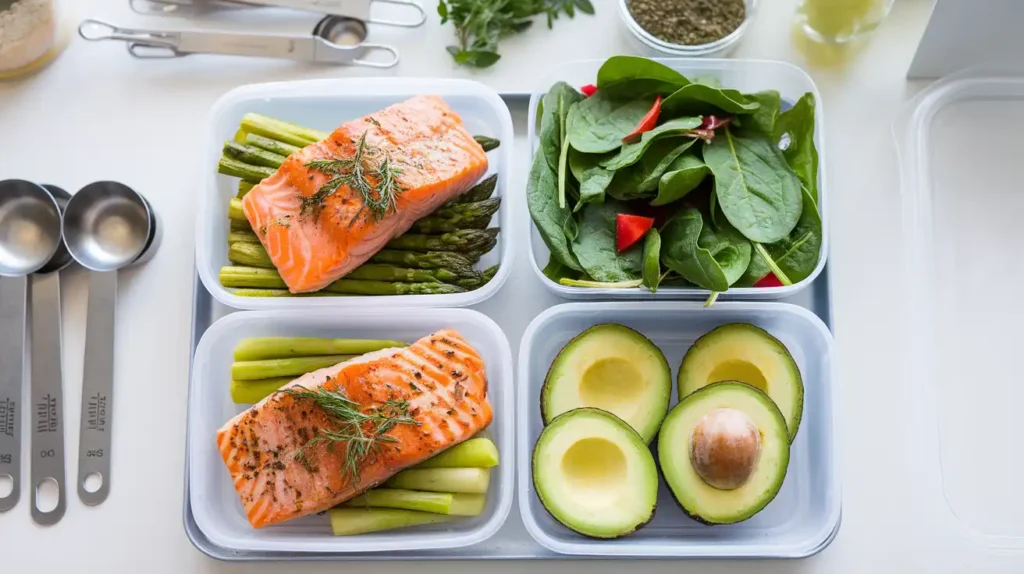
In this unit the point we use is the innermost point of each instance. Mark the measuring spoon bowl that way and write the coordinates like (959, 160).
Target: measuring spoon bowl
(29, 236)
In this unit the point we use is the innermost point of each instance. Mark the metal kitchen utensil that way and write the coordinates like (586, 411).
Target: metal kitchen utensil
(29, 221)
(107, 226)
(334, 40)
(357, 9)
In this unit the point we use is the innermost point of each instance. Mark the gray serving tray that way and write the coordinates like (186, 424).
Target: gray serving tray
(511, 542)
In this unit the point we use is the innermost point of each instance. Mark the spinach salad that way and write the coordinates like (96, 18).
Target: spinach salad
(649, 178)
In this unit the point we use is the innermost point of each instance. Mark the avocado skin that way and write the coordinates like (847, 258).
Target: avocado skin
(533, 479)
(696, 517)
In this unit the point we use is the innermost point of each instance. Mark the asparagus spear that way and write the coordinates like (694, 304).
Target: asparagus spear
(240, 135)
(237, 225)
(244, 187)
(271, 145)
(452, 504)
(246, 292)
(252, 155)
(453, 262)
(463, 240)
(487, 143)
(280, 130)
(467, 480)
(473, 453)
(252, 392)
(479, 192)
(235, 210)
(273, 368)
(250, 173)
(490, 272)
(251, 277)
(259, 348)
(351, 521)
(248, 254)
(242, 237)
(462, 216)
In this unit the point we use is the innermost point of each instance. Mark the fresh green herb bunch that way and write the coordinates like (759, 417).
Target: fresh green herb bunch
(360, 433)
(370, 171)
(480, 24)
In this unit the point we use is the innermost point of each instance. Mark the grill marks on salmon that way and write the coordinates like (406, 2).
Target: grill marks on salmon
(442, 378)
(424, 139)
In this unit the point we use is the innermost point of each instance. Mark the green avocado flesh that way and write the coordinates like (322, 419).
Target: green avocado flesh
(594, 474)
(676, 447)
(749, 354)
(612, 368)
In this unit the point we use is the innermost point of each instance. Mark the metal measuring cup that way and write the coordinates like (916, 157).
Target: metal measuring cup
(107, 226)
(29, 237)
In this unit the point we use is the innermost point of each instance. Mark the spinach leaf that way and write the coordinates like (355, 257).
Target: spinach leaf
(598, 123)
(555, 224)
(632, 152)
(563, 154)
(795, 131)
(757, 191)
(641, 179)
(556, 271)
(764, 117)
(555, 108)
(796, 255)
(633, 76)
(680, 178)
(712, 260)
(593, 178)
(652, 260)
(701, 99)
(594, 246)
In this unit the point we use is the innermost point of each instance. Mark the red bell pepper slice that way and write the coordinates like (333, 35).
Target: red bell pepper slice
(629, 229)
(589, 90)
(646, 124)
(769, 280)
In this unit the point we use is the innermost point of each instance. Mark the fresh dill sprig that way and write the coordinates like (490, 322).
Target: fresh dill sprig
(360, 433)
(370, 172)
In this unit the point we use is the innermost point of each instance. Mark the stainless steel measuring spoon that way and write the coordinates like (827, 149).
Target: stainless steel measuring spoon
(357, 9)
(28, 217)
(47, 379)
(334, 40)
(107, 226)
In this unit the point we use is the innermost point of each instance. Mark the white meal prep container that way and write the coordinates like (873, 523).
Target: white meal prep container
(325, 105)
(960, 161)
(804, 517)
(215, 504)
(744, 75)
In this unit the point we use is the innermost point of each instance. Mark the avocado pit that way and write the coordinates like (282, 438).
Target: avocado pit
(725, 447)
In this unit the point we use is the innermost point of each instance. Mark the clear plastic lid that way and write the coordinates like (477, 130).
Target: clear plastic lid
(962, 169)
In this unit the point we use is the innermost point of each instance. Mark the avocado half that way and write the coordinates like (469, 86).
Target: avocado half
(749, 354)
(613, 368)
(723, 451)
(594, 474)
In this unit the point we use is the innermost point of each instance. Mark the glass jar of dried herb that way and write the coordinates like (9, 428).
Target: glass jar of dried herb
(688, 22)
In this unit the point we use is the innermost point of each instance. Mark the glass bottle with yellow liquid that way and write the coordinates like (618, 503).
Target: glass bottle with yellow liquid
(839, 21)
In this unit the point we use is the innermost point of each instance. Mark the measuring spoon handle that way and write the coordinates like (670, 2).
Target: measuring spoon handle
(13, 294)
(97, 387)
(47, 382)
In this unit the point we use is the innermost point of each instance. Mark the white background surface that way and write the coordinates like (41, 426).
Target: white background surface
(98, 114)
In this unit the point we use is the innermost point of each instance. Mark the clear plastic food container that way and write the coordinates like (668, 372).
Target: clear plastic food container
(804, 517)
(325, 105)
(215, 504)
(960, 159)
(744, 75)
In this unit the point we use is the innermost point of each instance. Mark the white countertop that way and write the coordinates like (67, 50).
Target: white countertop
(98, 114)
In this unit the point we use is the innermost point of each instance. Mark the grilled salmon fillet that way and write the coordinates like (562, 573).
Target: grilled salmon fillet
(437, 158)
(278, 476)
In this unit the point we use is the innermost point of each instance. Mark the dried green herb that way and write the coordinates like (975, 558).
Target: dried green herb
(688, 22)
